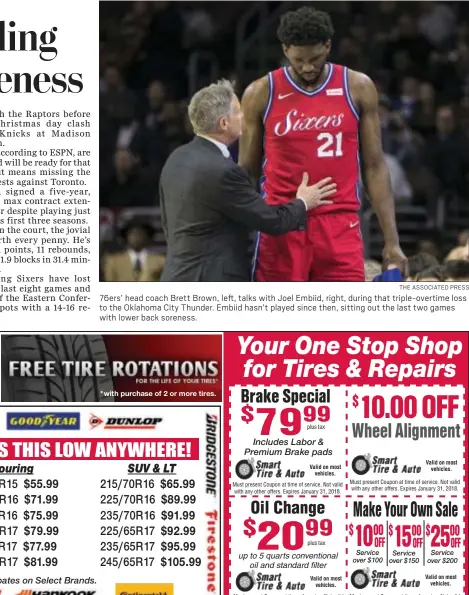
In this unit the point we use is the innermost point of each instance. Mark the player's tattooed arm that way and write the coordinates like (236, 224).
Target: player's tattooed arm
(253, 104)
(374, 168)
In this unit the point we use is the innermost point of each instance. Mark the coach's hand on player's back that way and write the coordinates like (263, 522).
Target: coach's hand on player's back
(316, 195)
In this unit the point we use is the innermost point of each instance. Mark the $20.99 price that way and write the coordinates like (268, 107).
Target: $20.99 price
(291, 418)
(292, 533)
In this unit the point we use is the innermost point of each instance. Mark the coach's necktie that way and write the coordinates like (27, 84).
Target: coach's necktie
(137, 267)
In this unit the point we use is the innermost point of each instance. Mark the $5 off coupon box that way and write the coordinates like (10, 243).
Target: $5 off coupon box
(346, 463)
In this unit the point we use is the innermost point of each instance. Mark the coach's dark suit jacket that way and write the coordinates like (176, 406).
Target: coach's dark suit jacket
(208, 208)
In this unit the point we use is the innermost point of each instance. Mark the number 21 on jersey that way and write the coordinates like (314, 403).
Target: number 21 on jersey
(331, 145)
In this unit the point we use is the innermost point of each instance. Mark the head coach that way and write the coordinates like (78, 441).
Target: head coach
(208, 204)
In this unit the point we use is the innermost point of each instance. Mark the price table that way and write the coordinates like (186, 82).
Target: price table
(130, 495)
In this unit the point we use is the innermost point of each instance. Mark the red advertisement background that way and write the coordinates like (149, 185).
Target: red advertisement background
(166, 348)
(235, 371)
(234, 374)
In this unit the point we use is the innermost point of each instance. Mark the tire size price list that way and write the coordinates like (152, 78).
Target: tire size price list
(29, 520)
(128, 504)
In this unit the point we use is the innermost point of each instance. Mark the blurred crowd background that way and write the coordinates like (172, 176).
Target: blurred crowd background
(155, 55)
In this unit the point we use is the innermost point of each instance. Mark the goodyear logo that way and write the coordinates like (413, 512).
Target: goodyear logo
(43, 421)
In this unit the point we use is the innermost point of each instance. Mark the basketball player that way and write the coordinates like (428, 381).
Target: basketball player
(317, 117)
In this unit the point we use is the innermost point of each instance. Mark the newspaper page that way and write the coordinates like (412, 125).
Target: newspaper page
(234, 275)
(94, 105)
(227, 464)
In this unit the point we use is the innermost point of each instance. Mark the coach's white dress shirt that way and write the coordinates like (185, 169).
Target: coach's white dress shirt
(223, 148)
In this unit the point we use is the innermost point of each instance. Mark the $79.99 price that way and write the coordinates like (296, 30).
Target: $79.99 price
(292, 532)
(291, 418)
(398, 406)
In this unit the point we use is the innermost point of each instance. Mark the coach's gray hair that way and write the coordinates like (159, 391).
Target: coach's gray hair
(209, 105)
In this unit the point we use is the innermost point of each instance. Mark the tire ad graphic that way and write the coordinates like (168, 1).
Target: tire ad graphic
(244, 469)
(361, 465)
(244, 582)
(20, 388)
(360, 579)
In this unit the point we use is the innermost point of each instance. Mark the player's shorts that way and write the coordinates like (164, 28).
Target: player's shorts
(331, 249)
